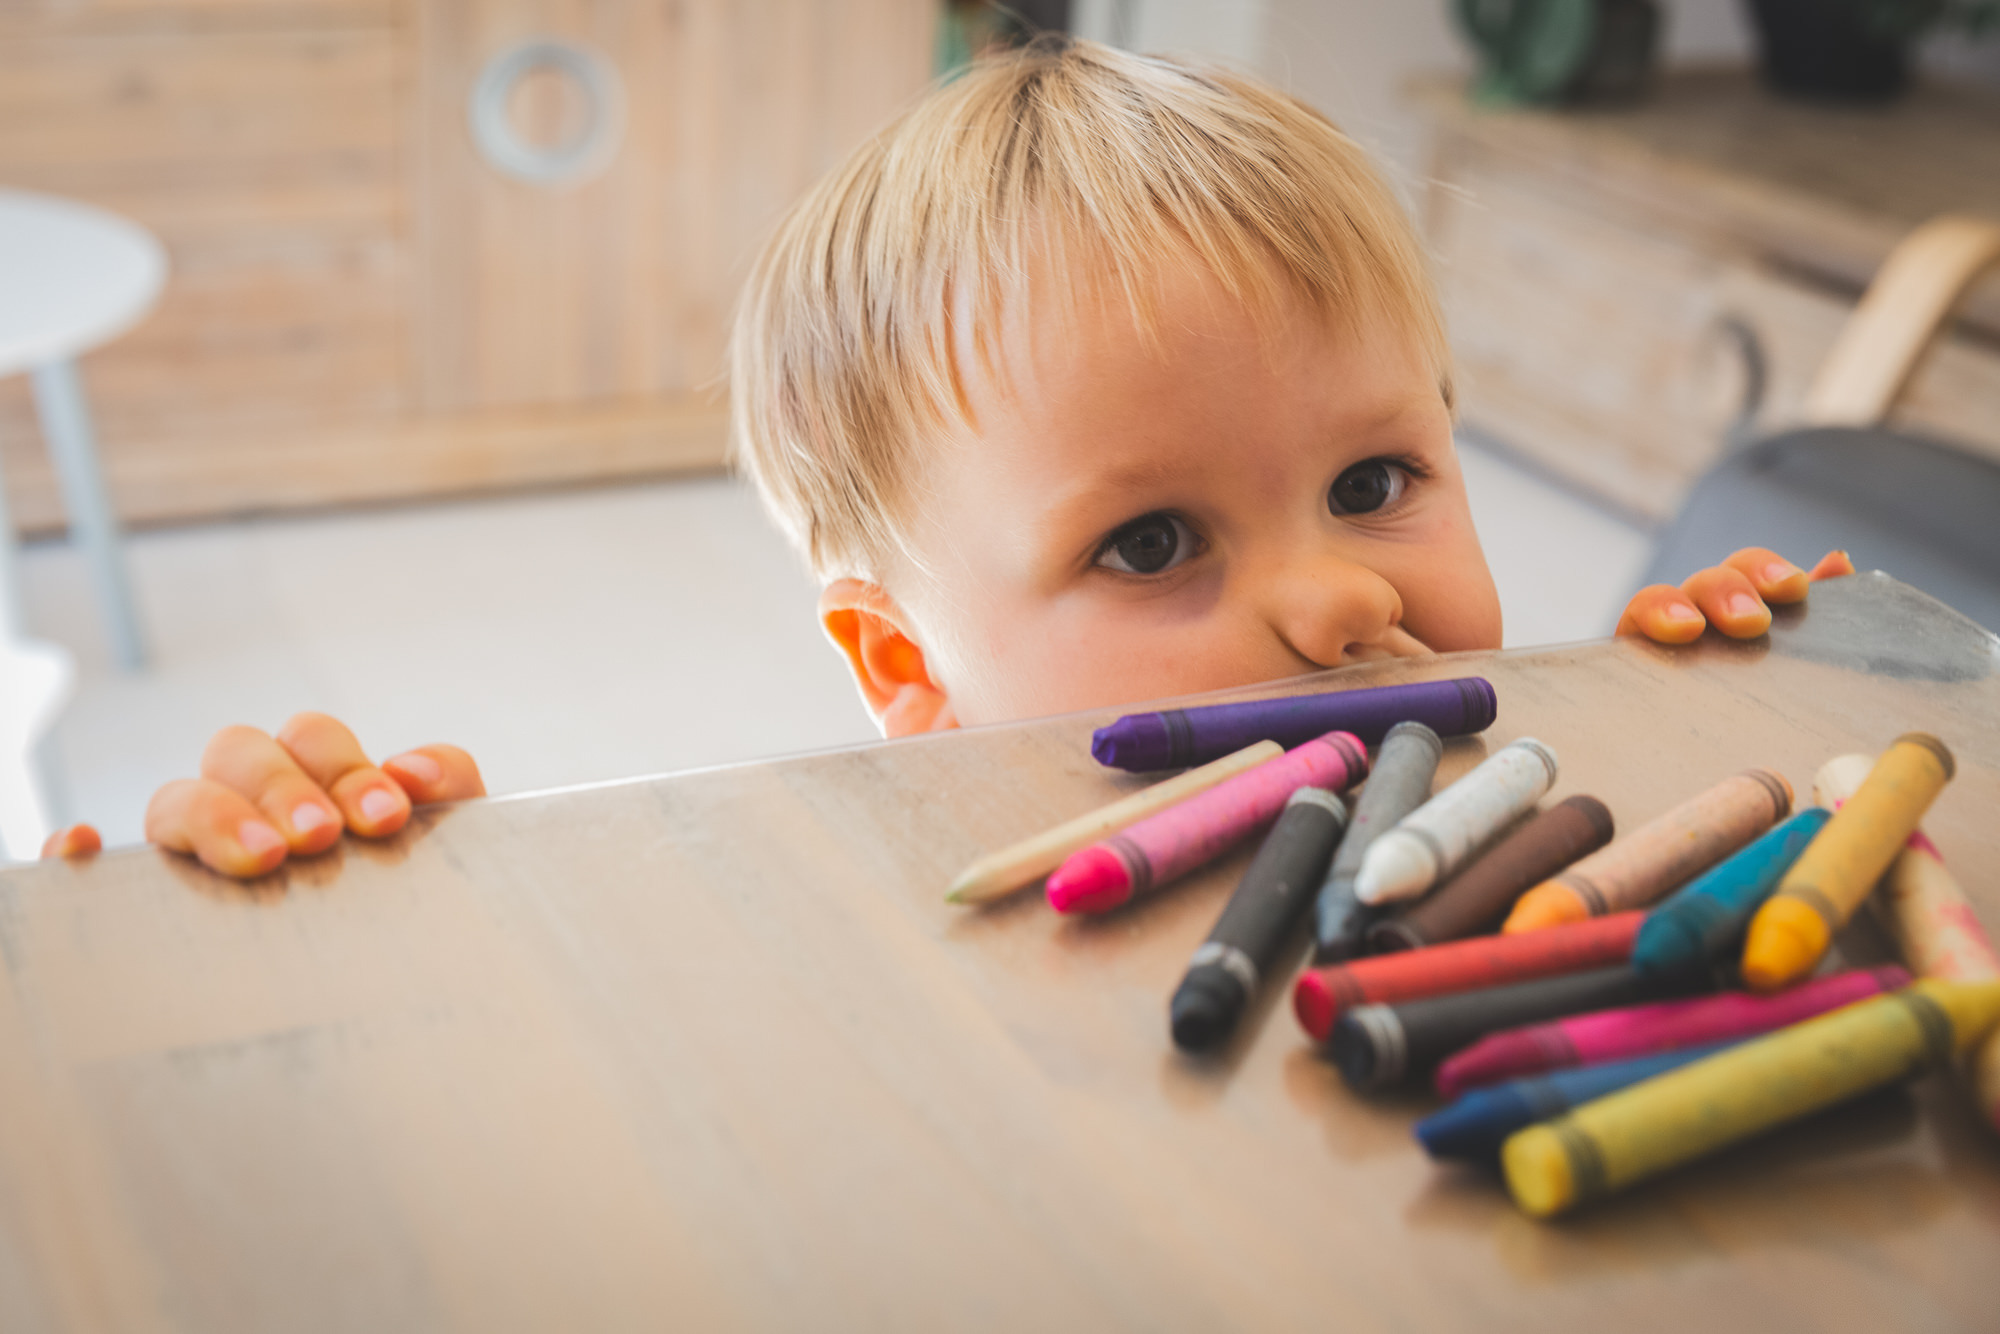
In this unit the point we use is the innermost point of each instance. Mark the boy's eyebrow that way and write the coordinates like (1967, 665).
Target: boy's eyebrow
(1093, 488)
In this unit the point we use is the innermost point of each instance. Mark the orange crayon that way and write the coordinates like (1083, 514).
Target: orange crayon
(1791, 932)
(1661, 854)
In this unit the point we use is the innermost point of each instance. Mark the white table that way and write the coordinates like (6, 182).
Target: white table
(72, 278)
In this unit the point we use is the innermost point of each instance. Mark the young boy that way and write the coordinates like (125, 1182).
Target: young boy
(1094, 379)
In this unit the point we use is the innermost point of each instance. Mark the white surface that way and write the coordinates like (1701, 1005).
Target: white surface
(71, 277)
(34, 681)
(1564, 569)
(560, 638)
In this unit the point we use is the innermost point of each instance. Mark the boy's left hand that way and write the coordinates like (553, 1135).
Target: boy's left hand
(1735, 597)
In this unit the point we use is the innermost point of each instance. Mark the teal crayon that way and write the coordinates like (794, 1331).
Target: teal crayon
(1707, 919)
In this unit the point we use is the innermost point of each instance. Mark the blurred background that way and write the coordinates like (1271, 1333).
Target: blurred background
(400, 373)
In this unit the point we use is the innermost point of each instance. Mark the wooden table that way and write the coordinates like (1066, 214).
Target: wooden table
(706, 1051)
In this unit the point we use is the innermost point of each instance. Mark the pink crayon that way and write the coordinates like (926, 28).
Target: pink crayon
(1642, 1030)
(1177, 840)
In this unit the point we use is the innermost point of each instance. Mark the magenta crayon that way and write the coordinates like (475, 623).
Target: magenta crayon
(1640, 1030)
(1173, 738)
(1197, 831)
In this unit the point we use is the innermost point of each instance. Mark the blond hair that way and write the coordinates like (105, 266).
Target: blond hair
(1089, 160)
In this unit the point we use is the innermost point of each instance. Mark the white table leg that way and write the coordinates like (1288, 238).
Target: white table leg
(13, 597)
(66, 425)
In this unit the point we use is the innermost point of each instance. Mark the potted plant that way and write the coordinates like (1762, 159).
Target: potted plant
(1852, 50)
(1560, 51)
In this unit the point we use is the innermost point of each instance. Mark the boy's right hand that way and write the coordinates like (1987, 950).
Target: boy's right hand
(261, 798)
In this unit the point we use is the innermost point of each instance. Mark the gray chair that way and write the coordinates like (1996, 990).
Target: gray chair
(1920, 509)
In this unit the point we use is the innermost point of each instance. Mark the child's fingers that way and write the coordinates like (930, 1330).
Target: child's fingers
(369, 800)
(257, 768)
(79, 840)
(1832, 565)
(216, 824)
(1776, 580)
(436, 773)
(1729, 600)
(1663, 614)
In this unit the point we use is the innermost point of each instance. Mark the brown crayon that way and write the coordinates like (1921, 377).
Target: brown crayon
(1476, 900)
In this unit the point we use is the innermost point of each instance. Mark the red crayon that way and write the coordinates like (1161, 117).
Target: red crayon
(1642, 1030)
(1177, 840)
(1322, 995)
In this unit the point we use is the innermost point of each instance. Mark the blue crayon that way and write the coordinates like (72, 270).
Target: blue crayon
(1474, 1127)
(1707, 919)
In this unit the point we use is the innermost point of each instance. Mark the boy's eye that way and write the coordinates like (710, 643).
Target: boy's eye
(1149, 544)
(1367, 487)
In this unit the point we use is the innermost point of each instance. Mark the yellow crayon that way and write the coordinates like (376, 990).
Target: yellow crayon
(1025, 862)
(1932, 921)
(1790, 933)
(1606, 1145)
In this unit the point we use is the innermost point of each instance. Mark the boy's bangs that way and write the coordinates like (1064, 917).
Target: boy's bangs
(1082, 169)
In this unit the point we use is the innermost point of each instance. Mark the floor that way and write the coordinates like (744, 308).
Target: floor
(569, 637)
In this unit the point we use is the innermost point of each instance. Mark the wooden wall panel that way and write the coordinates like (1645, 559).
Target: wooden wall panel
(268, 163)
(620, 286)
(359, 307)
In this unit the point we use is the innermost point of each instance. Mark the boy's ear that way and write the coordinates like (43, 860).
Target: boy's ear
(867, 627)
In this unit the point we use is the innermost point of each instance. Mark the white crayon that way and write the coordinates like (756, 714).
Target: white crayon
(1439, 836)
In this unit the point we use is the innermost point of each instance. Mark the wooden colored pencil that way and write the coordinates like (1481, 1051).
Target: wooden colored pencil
(1007, 870)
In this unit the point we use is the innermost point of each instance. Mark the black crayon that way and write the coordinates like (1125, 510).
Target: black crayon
(1259, 918)
(1398, 783)
(1377, 1046)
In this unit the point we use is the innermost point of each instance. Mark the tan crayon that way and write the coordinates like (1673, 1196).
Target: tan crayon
(1791, 932)
(1007, 870)
(1931, 919)
(1659, 855)
(1673, 1118)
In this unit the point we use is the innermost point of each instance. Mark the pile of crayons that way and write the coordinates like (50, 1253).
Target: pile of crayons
(1559, 984)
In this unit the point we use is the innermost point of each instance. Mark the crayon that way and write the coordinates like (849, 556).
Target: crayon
(1791, 932)
(1159, 848)
(1257, 921)
(1399, 782)
(1920, 901)
(1376, 1046)
(1706, 919)
(1442, 834)
(1175, 738)
(1321, 995)
(1478, 897)
(1660, 854)
(1007, 870)
(1475, 1126)
(1641, 1030)
(1932, 921)
(1607, 1145)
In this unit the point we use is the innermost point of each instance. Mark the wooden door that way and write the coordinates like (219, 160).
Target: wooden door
(617, 288)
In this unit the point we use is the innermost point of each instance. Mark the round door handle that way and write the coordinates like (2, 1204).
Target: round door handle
(578, 157)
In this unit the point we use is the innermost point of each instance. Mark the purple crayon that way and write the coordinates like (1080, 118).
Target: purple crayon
(1176, 738)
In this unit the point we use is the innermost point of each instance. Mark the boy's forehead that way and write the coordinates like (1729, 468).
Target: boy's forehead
(1054, 330)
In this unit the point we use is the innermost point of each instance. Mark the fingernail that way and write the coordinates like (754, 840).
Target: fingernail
(1742, 604)
(378, 805)
(258, 838)
(418, 766)
(1780, 570)
(308, 816)
(1679, 611)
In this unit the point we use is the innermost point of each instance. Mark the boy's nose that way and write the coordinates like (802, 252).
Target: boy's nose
(1331, 611)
